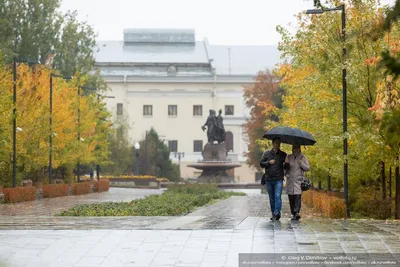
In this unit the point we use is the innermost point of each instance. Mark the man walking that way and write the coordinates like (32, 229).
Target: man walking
(273, 162)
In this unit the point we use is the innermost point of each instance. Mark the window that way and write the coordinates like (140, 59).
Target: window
(119, 109)
(147, 110)
(229, 141)
(229, 110)
(173, 145)
(197, 145)
(197, 110)
(172, 110)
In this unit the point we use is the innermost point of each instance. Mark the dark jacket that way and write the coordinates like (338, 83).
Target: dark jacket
(274, 171)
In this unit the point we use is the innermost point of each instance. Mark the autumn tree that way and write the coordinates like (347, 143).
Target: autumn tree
(262, 97)
(33, 121)
(312, 83)
(5, 123)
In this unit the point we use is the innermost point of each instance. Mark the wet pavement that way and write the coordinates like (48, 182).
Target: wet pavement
(210, 236)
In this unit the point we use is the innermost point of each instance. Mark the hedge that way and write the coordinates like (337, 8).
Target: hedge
(329, 206)
(55, 190)
(19, 194)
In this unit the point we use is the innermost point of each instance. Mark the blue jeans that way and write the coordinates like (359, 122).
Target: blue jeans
(274, 189)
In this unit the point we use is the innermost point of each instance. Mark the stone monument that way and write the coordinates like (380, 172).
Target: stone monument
(215, 160)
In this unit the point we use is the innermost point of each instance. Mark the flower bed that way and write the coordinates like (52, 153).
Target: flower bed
(141, 177)
(329, 206)
(143, 181)
(81, 188)
(55, 190)
(19, 194)
(177, 200)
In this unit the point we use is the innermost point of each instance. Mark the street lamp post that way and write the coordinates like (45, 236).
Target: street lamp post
(329, 180)
(344, 85)
(14, 158)
(179, 155)
(98, 96)
(51, 122)
(79, 125)
(98, 172)
(137, 148)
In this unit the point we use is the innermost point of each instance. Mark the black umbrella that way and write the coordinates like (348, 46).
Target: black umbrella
(291, 136)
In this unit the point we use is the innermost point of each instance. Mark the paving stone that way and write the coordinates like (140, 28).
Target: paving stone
(89, 261)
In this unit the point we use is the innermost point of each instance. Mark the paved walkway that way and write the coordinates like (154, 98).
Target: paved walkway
(211, 236)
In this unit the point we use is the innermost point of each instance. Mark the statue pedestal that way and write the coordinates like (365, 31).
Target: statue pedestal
(215, 162)
(214, 165)
(216, 152)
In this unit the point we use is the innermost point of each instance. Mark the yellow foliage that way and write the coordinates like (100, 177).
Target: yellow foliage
(33, 116)
(313, 88)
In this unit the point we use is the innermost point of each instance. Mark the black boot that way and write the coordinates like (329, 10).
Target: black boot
(278, 216)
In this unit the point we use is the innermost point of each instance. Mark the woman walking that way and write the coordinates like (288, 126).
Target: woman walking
(296, 164)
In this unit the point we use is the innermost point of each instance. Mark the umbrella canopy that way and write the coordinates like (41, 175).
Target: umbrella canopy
(291, 136)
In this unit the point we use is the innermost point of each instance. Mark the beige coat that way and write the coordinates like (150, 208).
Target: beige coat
(295, 174)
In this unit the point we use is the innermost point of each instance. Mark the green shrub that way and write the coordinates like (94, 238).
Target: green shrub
(193, 188)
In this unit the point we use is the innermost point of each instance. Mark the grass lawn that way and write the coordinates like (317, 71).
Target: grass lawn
(177, 200)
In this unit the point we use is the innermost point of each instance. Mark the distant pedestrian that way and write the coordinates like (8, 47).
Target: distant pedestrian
(91, 174)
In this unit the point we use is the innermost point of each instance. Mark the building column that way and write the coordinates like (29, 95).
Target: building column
(240, 143)
(214, 93)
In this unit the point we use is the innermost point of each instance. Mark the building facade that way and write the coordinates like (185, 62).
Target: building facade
(167, 80)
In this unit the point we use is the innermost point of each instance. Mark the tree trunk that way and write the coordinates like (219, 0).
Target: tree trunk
(390, 182)
(397, 205)
(329, 183)
(383, 177)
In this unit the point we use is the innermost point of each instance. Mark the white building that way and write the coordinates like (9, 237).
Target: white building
(164, 78)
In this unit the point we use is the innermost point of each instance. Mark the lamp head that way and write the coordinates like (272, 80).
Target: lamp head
(137, 146)
(314, 11)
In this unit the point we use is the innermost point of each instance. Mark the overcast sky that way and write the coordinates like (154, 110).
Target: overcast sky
(221, 21)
